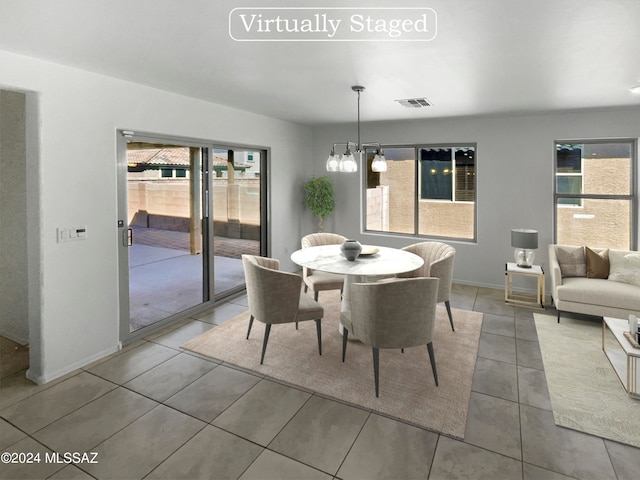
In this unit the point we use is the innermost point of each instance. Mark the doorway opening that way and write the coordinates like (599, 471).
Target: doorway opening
(14, 235)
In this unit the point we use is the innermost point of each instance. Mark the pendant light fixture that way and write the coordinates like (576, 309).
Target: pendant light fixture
(348, 162)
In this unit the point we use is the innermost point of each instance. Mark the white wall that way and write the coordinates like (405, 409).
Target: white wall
(72, 120)
(514, 177)
(14, 320)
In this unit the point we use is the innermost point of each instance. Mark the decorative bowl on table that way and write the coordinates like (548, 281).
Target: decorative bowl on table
(369, 250)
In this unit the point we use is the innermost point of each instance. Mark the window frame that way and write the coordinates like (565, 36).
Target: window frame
(417, 200)
(632, 197)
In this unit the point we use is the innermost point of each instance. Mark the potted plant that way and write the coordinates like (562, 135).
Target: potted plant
(318, 196)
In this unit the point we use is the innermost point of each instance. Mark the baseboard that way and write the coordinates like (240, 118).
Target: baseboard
(16, 338)
(479, 284)
(47, 377)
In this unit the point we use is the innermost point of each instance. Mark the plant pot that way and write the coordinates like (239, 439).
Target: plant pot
(351, 249)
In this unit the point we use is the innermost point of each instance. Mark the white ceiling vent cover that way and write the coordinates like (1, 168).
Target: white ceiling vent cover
(414, 102)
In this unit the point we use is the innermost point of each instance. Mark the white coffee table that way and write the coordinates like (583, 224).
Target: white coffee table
(624, 358)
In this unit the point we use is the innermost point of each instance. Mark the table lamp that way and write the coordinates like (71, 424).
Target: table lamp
(525, 242)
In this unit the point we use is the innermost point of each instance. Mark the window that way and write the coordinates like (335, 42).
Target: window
(447, 174)
(594, 193)
(569, 173)
(426, 191)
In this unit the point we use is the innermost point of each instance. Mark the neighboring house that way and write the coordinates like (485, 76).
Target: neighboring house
(159, 182)
(159, 163)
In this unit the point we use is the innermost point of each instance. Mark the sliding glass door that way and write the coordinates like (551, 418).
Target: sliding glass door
(167, 268)
(236, 184)
(187, 213)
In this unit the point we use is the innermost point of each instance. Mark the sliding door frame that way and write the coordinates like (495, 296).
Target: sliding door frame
(122, 138)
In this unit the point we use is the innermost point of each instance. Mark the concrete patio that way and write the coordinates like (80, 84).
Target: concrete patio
(164, 278)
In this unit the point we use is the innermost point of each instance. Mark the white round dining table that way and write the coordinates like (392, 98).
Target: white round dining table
(329, 258)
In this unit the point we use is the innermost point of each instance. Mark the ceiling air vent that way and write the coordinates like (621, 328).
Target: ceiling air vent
(414, 102)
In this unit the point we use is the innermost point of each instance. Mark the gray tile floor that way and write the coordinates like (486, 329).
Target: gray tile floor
(156, 411)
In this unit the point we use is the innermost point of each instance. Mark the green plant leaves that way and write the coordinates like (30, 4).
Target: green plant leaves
(318, 196)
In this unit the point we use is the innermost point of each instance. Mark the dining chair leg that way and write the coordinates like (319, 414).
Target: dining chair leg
(250, 324)
(376, 369)
(345, 336)
(432, 357)
(267, 329)
(446, 304)
(319, 331)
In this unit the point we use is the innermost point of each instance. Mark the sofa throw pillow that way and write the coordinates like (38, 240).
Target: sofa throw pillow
(572, 261)
(597, 263)
(624, 267)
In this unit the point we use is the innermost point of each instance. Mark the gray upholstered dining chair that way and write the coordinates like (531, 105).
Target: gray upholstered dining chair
(275, 297)
(438, 262)
(315, 280)
(397, 313)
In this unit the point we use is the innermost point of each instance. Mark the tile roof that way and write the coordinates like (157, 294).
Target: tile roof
(159, 156)
(170, 156)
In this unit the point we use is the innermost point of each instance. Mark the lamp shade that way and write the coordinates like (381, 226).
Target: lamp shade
(524, 238)
(379, 163)
(332, 162)
(348, 163)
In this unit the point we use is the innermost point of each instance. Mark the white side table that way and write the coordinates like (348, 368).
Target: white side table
(523, 299)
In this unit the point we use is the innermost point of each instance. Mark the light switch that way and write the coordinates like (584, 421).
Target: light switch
(68, 234)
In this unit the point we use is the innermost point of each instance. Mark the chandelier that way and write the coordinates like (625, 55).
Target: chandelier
(348, 162)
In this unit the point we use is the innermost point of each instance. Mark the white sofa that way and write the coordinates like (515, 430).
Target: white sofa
(596, 296)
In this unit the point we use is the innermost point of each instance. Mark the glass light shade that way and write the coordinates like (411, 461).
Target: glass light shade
(348, 163)
(333, 162)
(379, 163)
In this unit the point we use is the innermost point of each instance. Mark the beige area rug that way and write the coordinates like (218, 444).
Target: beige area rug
(586, 394)
(407, 387)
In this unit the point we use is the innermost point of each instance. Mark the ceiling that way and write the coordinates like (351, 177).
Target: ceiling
(488, 57)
